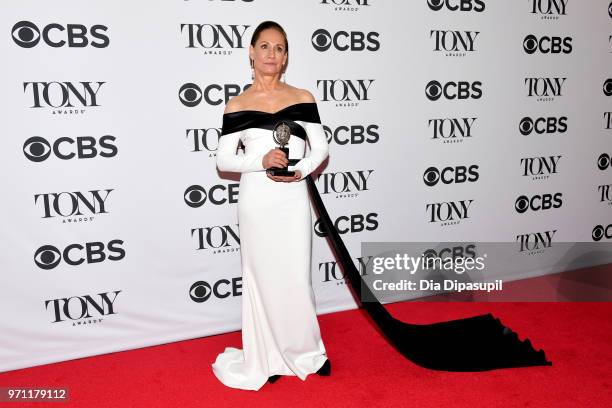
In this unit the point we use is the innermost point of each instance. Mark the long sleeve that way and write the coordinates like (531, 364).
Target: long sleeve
(319, 149)
(228, 160)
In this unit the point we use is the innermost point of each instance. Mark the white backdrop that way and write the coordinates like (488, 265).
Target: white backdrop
(118, 232)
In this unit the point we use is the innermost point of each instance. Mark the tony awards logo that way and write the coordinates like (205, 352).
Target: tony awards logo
(281, 135)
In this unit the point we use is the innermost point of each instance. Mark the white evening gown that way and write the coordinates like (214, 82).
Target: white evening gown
(280, 330)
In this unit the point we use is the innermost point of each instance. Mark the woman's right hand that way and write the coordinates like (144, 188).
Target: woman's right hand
(274, 158)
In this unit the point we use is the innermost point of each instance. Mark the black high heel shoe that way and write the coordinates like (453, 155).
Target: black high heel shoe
(273, 379)
(325, 369)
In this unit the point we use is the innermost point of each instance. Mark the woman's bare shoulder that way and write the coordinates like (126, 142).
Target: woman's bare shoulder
(298, 95)
(235, 104)
(304, 96)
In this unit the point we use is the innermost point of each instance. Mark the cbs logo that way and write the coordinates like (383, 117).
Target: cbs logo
(195, 196)
(461, 5)
(322, 40)
(201, 291)
(538, 202)
(448, 175)
(27, 35)
(453, 90)
(48, 257)
(38, 149)
(547, 45)
(528, 125)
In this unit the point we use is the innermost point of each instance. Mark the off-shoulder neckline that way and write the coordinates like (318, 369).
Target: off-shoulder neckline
(270, 113)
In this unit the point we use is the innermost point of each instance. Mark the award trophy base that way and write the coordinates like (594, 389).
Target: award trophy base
(282, 171)
(279, 171)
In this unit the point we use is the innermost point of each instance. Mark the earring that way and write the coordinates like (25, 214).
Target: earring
(252, 70)
(284, 75)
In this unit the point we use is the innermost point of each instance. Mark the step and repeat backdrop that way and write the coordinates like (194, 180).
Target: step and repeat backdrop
(448, 120)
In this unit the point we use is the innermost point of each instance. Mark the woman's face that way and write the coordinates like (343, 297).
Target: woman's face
(269, 53)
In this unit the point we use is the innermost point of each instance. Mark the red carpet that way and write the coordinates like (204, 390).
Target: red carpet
(366, 371)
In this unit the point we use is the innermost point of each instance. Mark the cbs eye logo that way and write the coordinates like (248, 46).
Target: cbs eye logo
(321, 40)
(195, 196)
(607, 87)
(610, 10)
(320, 229)
(530, 44)
(200, 291)
(190, 95)
(526, 126)
(433, 90)
(47, 257)
(599, 232)
(37, 149)
(25, 34)
(604, 161)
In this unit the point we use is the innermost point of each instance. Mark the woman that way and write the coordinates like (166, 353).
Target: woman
(280, 331)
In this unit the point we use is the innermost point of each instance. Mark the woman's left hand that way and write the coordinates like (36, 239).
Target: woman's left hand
(286, 179)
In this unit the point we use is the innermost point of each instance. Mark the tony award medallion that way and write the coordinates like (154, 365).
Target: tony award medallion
(281, 135)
